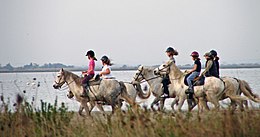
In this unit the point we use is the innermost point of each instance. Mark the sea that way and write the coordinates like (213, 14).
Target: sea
(37, 87)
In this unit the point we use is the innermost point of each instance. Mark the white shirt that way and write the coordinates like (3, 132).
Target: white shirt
(106, 76)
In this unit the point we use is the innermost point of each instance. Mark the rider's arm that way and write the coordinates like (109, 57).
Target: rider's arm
(209, 64)
(194, 68)
(107, 71)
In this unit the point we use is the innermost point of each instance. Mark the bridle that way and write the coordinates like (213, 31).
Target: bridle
(140, 74)
(59, 83)
(162, 69)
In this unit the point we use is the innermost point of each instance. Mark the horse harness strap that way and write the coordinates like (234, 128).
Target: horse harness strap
(88, 87)
(150, 79)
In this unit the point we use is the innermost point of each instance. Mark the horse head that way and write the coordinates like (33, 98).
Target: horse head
(139, 75)
(59, 80)
(164, 68)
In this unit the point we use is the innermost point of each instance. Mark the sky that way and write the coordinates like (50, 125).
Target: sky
(130, 32)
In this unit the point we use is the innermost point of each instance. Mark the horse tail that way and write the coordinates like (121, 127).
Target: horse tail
(237, 98)
(124, 93)
(140, 92)
(247, 91)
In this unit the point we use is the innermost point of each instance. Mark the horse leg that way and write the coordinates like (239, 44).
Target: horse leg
(193, 103)
(81, 108)
(233, 105)
(214, 100)
(175, 102)
(155, 101)
(100, 107)
(241, 107)
(85, 106)
(91, 105)
(162, 101)
(203, 104)
(245, 103)
(181, 102)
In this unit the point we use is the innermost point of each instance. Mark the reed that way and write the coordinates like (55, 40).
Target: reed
(51, 120)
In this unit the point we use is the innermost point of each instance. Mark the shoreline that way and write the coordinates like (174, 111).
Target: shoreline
(114, 69)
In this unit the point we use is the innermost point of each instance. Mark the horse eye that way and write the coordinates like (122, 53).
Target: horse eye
(58, 76)
(164, 65)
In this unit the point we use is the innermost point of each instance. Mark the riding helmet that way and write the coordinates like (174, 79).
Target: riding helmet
(169, 49)
(90, 53)
(209, 54)
(195, 54)
(104, 59)
(214, 53)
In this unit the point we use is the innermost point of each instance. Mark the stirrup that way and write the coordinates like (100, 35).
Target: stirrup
(189, 91)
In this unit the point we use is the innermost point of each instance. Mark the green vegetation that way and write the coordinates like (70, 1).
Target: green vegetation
(52, 120)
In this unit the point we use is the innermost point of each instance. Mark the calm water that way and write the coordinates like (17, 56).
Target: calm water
(38, 86)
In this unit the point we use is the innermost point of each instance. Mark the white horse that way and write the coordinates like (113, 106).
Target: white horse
(132, 91)
(235, 87)
(211, 91)
(154, 82)
(107, 91)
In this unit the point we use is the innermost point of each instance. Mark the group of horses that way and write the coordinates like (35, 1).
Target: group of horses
(113, 92)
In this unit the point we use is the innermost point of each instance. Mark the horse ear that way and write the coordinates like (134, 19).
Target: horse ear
(62, 70)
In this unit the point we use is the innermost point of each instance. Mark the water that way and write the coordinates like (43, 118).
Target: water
(38, 86)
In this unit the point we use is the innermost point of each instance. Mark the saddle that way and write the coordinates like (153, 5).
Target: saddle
(96, 80)
(198, 82)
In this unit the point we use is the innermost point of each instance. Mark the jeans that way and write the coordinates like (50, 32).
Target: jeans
(87, 78)
(191, 77)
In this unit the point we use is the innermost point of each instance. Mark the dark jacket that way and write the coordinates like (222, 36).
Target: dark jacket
(210, 69)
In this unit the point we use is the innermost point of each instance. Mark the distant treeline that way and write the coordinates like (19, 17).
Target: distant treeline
(33, 67)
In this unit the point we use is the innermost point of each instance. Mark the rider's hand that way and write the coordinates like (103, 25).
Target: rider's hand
(84, 73)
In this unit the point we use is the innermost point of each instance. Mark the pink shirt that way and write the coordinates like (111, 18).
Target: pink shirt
(91, 67)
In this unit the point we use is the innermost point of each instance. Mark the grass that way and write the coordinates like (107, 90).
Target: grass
(51, 120)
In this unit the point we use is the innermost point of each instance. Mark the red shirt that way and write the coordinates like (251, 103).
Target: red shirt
(91, 67)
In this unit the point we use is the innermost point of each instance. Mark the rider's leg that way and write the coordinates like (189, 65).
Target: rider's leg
(85, 84)
(165, 82)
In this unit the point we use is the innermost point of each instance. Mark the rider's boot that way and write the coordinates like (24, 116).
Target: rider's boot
(85, 87)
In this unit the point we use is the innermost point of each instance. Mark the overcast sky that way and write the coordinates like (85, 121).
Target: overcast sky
(128, 31)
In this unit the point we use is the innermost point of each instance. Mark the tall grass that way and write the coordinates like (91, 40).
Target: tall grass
(51, 120)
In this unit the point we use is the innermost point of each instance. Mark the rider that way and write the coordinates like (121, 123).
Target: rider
(166, 80)
(171, 52)
(106, 70)
(216, 59)
(210, 67)
(195, 72)
(89, 74)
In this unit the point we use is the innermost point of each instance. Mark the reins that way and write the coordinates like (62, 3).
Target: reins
(146, 80)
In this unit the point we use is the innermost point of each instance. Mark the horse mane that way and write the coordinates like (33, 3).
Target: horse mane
(148, 67)
(178, 72)
(75, 77)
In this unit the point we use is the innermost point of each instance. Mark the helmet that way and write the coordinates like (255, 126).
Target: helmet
(104, 59)
(195, 54)
(90, 53)
(209, 54)
(169, 49)
(213, 53)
